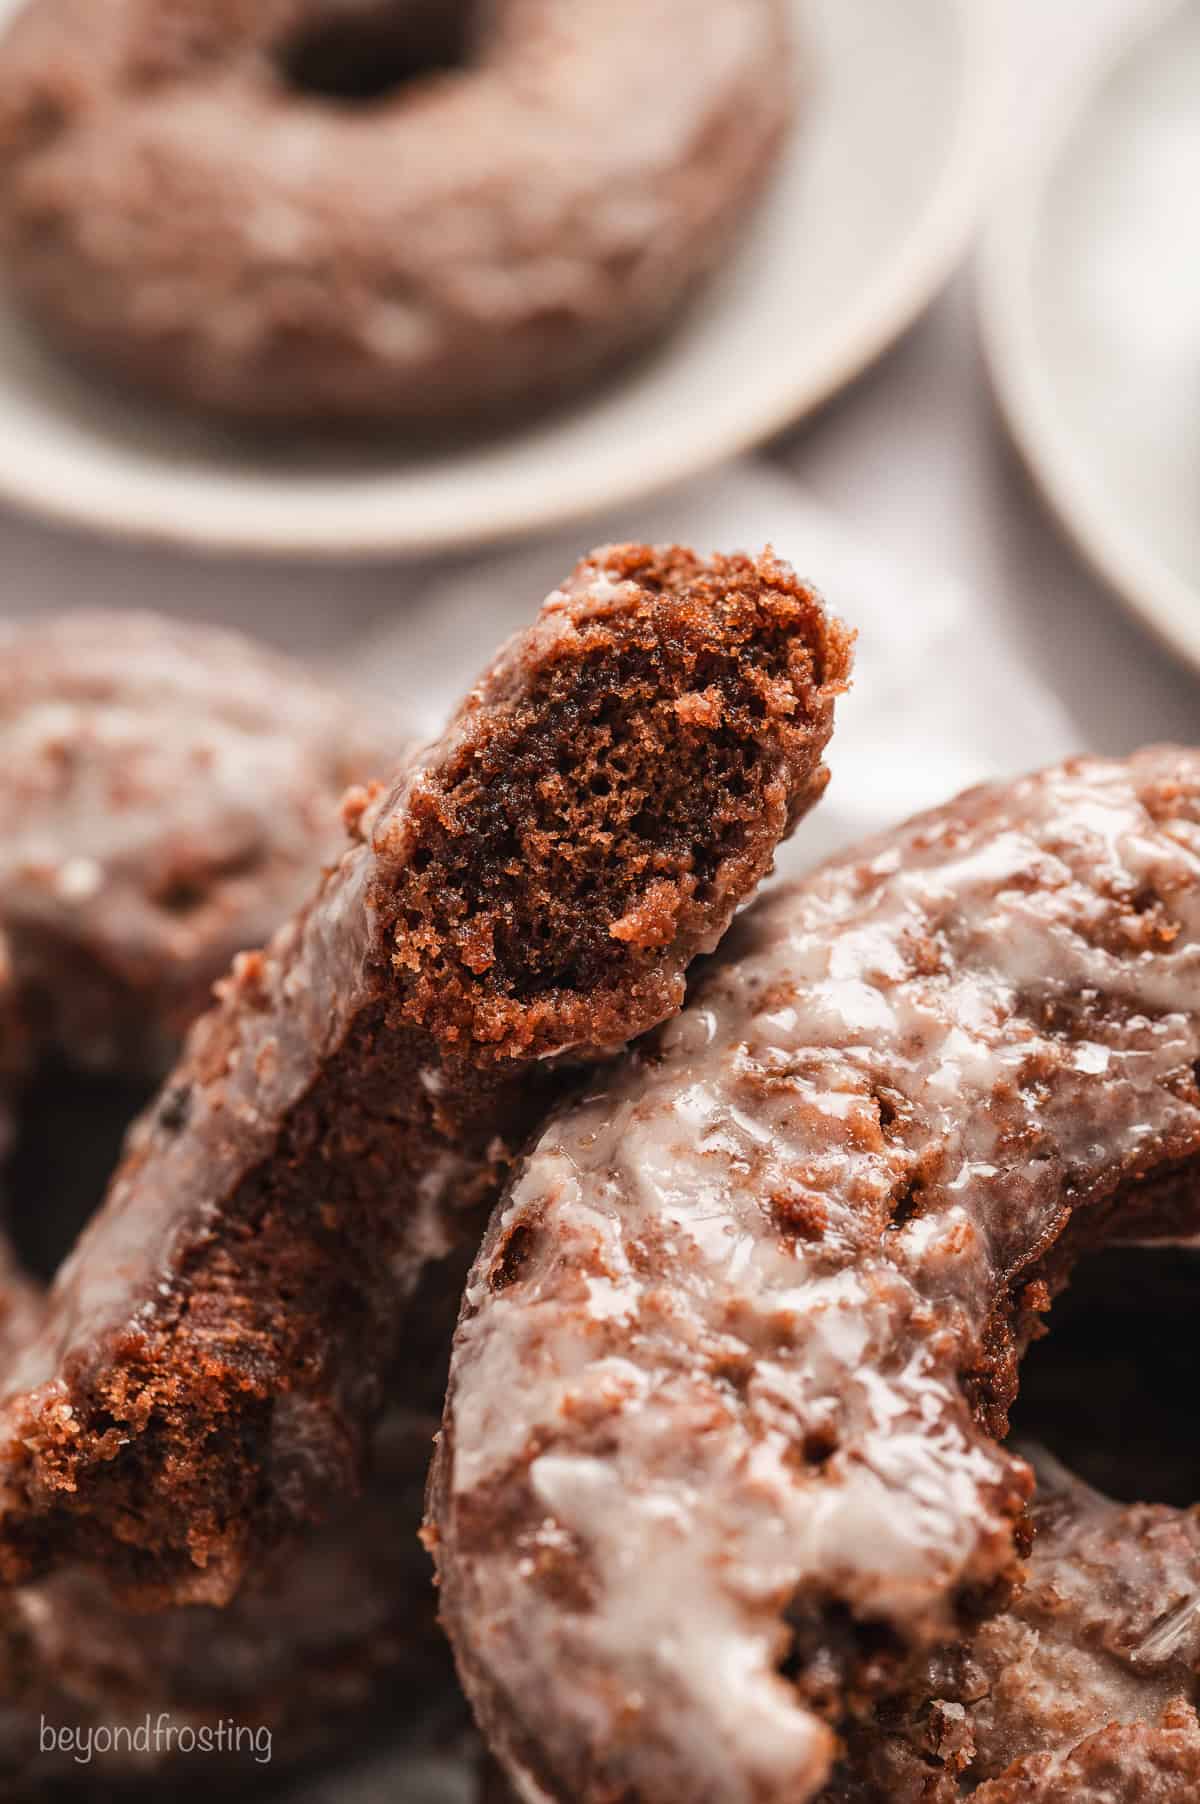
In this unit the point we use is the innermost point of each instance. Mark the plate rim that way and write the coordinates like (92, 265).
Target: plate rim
(1146, 587)
(886, 307)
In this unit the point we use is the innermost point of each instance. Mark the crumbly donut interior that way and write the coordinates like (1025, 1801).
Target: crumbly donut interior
(531, 896)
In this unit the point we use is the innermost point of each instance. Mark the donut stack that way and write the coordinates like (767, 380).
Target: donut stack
(746, 1254)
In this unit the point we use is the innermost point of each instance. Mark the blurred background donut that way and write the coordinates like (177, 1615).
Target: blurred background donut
(377, 210)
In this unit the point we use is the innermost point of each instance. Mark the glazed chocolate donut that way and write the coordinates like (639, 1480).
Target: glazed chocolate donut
(247, 205)
(169, 792)
(527, 896)
(722, 1459)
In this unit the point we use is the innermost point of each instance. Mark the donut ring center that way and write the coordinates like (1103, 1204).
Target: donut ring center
(70, 1126)
(358, 52)
(1108, 1391)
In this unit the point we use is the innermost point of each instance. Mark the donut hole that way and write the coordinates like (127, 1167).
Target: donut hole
(71, 1126)
(363, 51)
(182, 895)
(1110, 1390)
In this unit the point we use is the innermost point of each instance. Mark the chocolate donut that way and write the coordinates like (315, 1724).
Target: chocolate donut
(525, 898)
(169, 792)
(249, 207)
(330, 1648)
(723, 1456)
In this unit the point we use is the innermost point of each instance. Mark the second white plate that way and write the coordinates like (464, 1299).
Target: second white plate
(1090, 302)
(862, 224)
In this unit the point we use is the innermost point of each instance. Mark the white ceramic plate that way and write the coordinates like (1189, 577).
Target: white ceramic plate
(862, 225)
(1090, 301)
